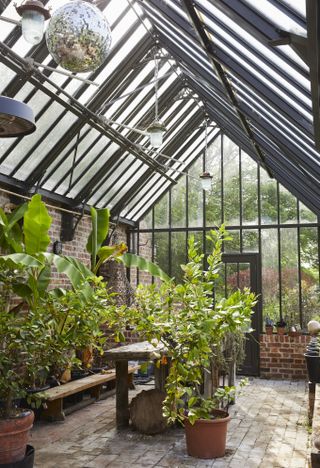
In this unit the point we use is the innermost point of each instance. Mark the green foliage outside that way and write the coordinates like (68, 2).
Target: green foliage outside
(228, 190)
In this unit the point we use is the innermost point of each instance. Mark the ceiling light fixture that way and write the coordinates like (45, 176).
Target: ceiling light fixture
(156, 129)
(33, 14)
(78, 37)
(16, 118)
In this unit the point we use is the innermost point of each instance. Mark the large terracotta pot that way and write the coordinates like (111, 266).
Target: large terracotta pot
(206, 438)
(14, 434)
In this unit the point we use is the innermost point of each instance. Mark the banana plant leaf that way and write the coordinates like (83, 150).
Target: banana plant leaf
(100, 229)
(10, 231)
(36, 224)
(18, 259)
(132, 260)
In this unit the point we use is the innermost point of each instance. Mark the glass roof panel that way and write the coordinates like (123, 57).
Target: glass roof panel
(276, 16)
(88, 171)
(40, 151)
(243, 35)
(298, 5)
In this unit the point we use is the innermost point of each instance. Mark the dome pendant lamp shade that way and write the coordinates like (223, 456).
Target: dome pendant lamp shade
(33, 16)
(16, 118)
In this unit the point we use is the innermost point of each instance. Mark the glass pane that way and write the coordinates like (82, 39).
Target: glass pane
(232, 277)
(249, 175)
(161, 212)
(178, 204)
(178, 254)
(289, 276)
(270, 274)
(231, 182)
(268, 199)
(233, 245)
(306, 215)
(213, 197)
(161, 250)
(309, 274)
(198, 237)
(288, 206)
(244, 275)
(146, 222)
(250, 240)
(195, 196)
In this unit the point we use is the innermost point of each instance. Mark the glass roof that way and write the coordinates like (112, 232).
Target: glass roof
(88, 147)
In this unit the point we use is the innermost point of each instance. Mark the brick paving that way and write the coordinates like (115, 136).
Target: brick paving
(268, 429)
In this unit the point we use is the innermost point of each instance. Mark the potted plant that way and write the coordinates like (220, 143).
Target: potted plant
(281, 327)
(17, 368)
(193, 329)
(269, 324)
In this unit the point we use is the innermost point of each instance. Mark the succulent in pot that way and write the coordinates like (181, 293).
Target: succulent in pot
(281, 327)
(269, 324)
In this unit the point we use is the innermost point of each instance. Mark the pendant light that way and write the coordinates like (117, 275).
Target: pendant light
(156, 129)
(78, 37)
(16, 118)
(206, 177)
(33, 14)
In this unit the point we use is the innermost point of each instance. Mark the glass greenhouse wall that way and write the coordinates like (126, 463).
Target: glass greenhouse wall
(261, 216)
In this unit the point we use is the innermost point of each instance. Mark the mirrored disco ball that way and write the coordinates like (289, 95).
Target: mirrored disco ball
(78, 37)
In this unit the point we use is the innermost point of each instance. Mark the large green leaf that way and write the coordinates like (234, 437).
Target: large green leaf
(36, 226)
(132, 260)
(21, 259)
(73, 269)
(100, 229)
(84, 270)
(44, 279)
(17, 214)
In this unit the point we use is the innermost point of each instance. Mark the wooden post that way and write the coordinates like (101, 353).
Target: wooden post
(312, 395)
(122, 398)
(54, 411)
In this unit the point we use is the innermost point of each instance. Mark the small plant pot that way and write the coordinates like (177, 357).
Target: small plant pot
(281, 330)
(269, 330)
(206, 438)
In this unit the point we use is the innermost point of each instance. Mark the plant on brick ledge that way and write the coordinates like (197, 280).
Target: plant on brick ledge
(192, 328)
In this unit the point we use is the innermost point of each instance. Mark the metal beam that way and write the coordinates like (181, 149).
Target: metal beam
(85, 114)
(313, 28)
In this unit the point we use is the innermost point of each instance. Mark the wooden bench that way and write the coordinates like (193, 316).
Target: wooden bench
(54, 396)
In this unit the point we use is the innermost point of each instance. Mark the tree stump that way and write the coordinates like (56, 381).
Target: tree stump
(146, 412)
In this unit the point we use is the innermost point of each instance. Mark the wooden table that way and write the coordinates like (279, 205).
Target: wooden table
(121, 355)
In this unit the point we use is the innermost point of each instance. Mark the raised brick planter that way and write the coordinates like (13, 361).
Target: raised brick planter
(281, 357)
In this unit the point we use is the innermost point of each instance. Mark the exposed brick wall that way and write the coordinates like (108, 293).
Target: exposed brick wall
(281, 357)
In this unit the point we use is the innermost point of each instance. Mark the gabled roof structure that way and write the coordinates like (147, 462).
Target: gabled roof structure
(252, 67)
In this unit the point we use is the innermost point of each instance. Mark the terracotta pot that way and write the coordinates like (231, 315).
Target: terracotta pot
(14, 434)
(269, 330)
(206, 438)
(281, 330)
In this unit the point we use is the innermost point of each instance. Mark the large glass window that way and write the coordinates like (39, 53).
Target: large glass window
(261, 216)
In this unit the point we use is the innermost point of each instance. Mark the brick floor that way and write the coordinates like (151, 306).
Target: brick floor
(268, 429)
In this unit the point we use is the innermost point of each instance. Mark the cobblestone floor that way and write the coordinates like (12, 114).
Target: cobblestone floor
(268, 429)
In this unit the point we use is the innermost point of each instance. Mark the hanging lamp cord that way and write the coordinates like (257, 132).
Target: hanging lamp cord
(156, 73)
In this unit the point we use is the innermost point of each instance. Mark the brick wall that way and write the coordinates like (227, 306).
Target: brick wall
(281, 357)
